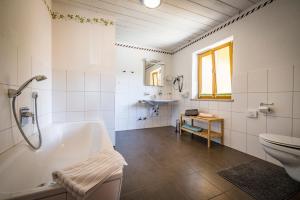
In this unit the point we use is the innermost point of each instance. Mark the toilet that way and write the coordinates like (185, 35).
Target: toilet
(286, 150)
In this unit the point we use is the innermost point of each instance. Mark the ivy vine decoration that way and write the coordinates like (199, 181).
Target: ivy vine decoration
(77, 18)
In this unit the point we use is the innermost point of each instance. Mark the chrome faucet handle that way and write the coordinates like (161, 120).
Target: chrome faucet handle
(160, 92)
(24, 114)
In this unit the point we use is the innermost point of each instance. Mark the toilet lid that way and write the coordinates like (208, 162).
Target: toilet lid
(287, 141)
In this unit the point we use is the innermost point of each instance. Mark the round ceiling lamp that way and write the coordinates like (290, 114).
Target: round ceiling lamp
(151, 3)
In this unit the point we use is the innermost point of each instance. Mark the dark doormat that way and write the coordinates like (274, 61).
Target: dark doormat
(262, 180)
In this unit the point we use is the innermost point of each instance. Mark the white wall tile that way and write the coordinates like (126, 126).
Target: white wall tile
(213, 105)
(92, 101)
(121, 99)
(225, 106)
(140, 124)
(75, 116)
(296, 105)
(239, 83)
(122, 111)
(6, 140)
(45, 98)
(227, 118)
(256, 126)
(59, 79)
(227, 137)
(75, 81)
(240, 103)
(132, 112)
(17, 135)
(44, 121)
(75, 101)
(297, 78)
(296, 128)
(121, 123)
(238, 122)
(59, 101)
(93, 115)
(92, 81)
(19, 45)
(108, 117)
(5, 114)
(254, 148)
(132, 123)
(25, 99)
(107, 101)
(238, 141)
(254, 100)
(257, 81)
(203, 105)
(280, 79)
(40, 67)
(122, 83)
(108, 82)
(24, 66)
(148, 123)
(59, 117)
(8, 62)
(155, 121)
(282, 103)
(279, 125)
(165, 110)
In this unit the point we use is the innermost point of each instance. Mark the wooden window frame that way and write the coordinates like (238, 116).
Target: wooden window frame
(214, 94)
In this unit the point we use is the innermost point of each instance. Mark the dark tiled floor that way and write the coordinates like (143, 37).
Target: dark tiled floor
(163, 166)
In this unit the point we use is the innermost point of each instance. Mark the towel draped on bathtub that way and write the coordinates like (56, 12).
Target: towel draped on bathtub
(83, 178)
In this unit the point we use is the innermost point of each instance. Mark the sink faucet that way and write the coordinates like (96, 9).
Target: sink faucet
(160, 92)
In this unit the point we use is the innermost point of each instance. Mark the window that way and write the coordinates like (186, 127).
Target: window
(154, 78)
(214, 73)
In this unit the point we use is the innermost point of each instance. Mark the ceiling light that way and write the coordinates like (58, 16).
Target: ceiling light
(151, 3)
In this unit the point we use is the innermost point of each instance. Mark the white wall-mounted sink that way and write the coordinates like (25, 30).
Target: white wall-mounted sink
(154, 102)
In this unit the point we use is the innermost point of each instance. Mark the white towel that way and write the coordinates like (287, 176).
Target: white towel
(83, 178)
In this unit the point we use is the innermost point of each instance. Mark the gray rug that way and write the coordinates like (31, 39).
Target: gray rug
(262, 180)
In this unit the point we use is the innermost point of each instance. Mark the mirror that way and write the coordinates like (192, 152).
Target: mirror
(153, 73)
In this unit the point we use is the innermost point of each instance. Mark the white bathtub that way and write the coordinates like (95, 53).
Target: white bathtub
(23, 171)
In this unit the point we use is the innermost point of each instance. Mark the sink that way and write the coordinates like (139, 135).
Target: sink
(154, 102)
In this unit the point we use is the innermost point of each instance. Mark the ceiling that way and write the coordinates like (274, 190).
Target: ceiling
(168, 27)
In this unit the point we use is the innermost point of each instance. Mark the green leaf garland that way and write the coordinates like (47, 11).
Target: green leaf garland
(77, 18)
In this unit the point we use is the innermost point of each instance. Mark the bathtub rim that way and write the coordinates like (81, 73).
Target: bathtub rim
(54, 188)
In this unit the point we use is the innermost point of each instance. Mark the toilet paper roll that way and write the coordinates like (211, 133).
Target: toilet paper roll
(264, 109)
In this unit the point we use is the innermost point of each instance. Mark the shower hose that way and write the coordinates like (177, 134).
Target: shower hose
(34, 96)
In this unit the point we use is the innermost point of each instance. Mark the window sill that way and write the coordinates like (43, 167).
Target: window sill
(223, 100)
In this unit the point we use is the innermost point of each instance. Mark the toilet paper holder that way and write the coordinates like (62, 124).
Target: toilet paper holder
(265, 108)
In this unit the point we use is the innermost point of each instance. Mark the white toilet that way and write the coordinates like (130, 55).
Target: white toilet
(286, 150)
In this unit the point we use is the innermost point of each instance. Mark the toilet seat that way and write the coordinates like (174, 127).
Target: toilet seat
(286, 141)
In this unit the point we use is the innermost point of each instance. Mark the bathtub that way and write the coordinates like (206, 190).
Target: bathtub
(26, 174)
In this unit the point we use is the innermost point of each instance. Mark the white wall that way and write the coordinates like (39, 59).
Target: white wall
(131, 89)
(25, 51)
(83, 70)
(266, 68)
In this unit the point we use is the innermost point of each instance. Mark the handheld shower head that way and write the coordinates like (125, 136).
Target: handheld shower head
(179, 80)
(40, 78)
(14, 93)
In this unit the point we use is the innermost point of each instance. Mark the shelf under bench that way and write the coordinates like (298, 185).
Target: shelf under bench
(205, 133)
